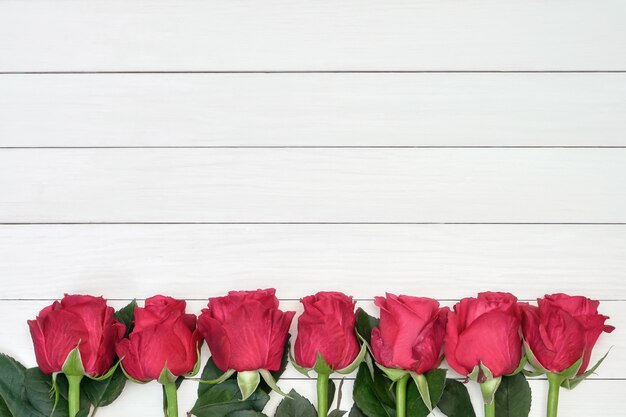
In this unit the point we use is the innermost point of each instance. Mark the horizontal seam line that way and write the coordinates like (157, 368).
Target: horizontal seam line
(354, 71)
(317, 223)
(322, 147)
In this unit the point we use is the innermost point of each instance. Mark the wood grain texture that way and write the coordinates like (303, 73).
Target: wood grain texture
(321, 185)
(117, 35)
(145, 399)
(313, 110)
(443, 261)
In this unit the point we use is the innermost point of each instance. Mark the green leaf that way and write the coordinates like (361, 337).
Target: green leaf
(364, 324)
(513, 397)
(295, 406)
(126, 316)
(455, 400)
(34, 374)
(224, 398)
(331, 391)
(374, 397)
(337, 413)
(246, 413)
(356, 412)
(103, 393)
(36, 401)
(4, 410)
(436, 381)
(38, 388)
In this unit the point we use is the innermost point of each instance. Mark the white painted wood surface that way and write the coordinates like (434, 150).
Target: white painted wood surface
(313, 110)
(442, 261)
(368, 35)
(550, 218)
(313, 185)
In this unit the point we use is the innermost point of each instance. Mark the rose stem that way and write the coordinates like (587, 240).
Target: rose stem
(73, 395)
(401, 396)
(172, 399)
(490, 409)
(553, 393)
(322, 394)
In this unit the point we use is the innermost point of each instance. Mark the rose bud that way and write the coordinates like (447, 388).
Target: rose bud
(410, 334)
(483, 340)
(409, 339)
(76, 336)
(327, 340)
(246, 332)
(78, 320)
(164, 342)
(484, 330)
(562, 330)
(327, 328)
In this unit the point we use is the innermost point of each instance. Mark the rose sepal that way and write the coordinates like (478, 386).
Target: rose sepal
(219, 380)
(422, 388)
(248, 381)
(130, 378)
(573, 382)
(572, 370)
(321, 366)
(304, 371)
(394, 374)
(196, 367)
(522, 363)
(271, 382)
(73, 365)
(166, 377)
(532, 359)
(355, 363)
(488, 383)
(107, 374)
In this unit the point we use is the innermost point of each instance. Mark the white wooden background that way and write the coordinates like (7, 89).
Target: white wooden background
(425, 147)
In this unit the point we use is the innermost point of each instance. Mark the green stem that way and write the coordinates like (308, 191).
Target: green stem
(172, 399)
(553, 393)
(73, 394)
(490, 409)
(401, 396)
(322, 394)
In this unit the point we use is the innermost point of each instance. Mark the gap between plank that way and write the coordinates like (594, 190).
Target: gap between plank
(323, 147)
(130, 72)
(319, 223)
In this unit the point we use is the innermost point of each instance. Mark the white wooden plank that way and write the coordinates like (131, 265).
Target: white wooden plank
(320, 35)
(444, 261)
(321, 185)
(15, 338)
(313, 110)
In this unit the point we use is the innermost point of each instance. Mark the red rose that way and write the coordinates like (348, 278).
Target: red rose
(164, 335)
(561, 329)
(78, 320)
(484, 329)
(245, 330)
(327, 327)
(410, 334)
